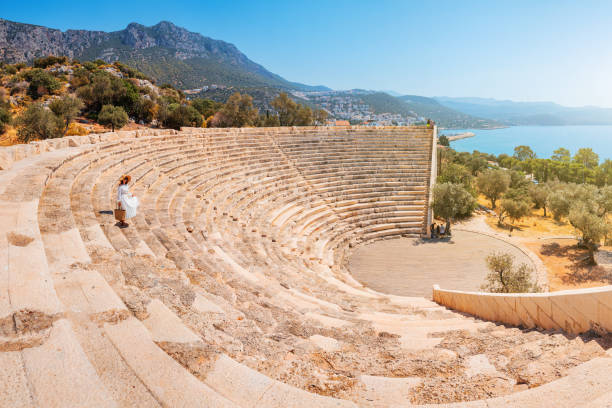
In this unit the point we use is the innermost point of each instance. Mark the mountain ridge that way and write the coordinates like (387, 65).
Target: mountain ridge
(447, 116)
(528, 113)
(163, 51)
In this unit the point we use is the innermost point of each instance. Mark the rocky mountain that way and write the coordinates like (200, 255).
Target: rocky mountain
(166, 52)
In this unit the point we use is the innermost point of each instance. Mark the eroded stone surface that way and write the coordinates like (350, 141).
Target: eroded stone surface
(261, 284)
(19, 239)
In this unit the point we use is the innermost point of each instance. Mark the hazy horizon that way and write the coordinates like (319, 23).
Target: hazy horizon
(552, 51)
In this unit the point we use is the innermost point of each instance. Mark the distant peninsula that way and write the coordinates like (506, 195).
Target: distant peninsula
(458, 136)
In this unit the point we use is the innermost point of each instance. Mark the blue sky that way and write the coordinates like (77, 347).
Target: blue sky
(521, 50)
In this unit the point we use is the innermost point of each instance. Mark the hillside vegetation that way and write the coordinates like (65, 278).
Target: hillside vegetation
(56, 96)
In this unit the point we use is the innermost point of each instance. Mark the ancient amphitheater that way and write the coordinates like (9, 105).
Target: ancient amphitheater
(230, 288)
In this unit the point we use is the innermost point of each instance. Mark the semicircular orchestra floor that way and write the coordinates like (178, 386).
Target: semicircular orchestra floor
(410, 266)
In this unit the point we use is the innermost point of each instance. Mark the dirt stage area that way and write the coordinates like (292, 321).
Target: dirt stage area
(410, 267)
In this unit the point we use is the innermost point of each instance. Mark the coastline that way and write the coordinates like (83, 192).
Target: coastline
(459, 136)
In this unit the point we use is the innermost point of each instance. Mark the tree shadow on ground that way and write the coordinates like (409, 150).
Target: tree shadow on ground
(430, 241)
(508, 227)
(581, 270)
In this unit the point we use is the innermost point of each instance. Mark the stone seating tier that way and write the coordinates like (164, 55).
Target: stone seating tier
(230, 286)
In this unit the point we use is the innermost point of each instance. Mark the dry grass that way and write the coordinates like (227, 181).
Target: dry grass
(9, 137)
(533, 226)
(565, 261)
(568, 266)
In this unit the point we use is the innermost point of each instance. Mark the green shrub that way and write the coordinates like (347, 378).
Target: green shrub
(90, 66)
(5, 118)
(66, 109)
(452, 202)
(492, 184)
(113, 116)
(175, 116)
(45, 62)
(504, 277)
(443, 141)
(38, 122)
(41, 83)
(238, 111)
(206, 107)
(10, 69)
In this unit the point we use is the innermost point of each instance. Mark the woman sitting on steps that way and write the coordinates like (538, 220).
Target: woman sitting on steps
(125, 200)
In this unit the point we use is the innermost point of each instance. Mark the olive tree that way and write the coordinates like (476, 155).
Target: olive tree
(592, 227)
(515, 209)
(492, 184)
(457, 174)
(538, 193)
(175, 116)
(558, 202)
(505, 277)
(113, 116)
(452, 202)
(66, 109)
(604, 200)
(38, 122)
(238, 111)
(41, 83)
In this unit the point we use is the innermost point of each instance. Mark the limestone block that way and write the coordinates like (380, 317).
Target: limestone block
(170, 383)
(94, 138)
(325, 343)
(125, 134)
(582, 308)
(284, 396)
(564, 319)
(60, 143)
(20, 151)
(108, 137)
(60, 373)
(6, 158)
(39, 146)
(203, 305)
(527, 311)
(241, 383)
(164, 325)
(13, 381)
(479, 364)
(73, 141)
(389, 390)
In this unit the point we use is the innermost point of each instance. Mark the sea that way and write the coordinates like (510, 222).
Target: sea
(543, 140)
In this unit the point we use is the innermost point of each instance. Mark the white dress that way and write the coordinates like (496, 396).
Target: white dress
(129, 203)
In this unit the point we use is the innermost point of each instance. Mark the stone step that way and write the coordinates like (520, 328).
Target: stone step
(168, 381)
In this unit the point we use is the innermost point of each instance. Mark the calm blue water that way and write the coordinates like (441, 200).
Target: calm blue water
(542, 139)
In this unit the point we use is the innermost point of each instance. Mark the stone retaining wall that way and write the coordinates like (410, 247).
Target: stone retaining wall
(573, 311)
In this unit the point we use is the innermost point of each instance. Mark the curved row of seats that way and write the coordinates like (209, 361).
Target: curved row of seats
(229, 287)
